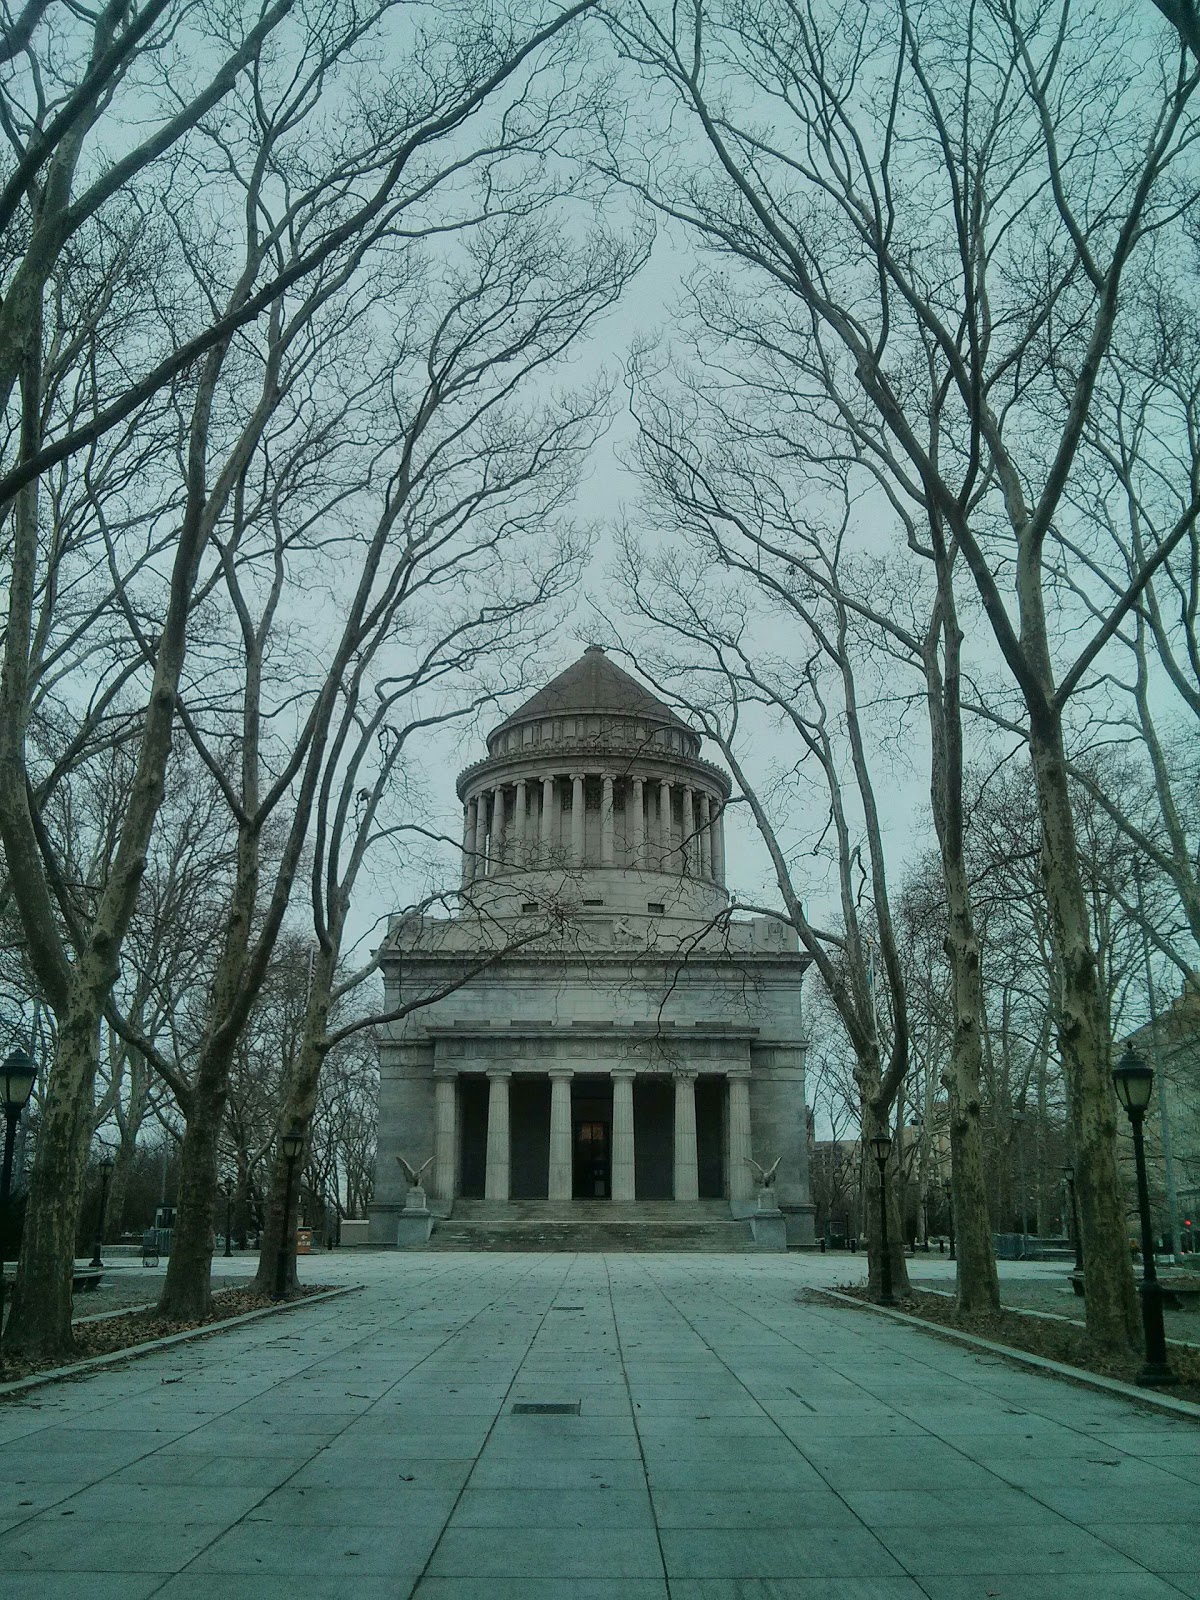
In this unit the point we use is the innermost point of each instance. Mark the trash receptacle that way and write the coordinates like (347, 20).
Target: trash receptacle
(150, 1247)
(304, 1238)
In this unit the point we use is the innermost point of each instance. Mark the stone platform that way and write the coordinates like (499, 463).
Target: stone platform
(700, 1226)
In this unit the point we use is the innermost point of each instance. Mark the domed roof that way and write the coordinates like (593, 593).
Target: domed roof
(596, 684)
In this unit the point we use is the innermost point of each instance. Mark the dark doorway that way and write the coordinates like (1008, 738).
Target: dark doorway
(653, 1137)
(473, 1120)
(591, 1126)
(710, 1137)
(529, 1119)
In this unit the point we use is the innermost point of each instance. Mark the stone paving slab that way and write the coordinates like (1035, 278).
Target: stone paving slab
(733, 1442)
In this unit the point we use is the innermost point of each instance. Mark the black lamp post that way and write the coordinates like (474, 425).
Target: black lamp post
(881, 1144)
(106, 1167)
(1134, 1080)
(227, 1191)
(17, 1077)
(292, 1143)
(948, 1191)
(1069, 1179)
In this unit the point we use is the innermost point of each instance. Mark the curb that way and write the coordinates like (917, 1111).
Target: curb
(1059, 1369)
(93, 1363)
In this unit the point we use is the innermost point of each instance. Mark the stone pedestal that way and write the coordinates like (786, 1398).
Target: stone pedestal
(767, 1223)
(416, 1220)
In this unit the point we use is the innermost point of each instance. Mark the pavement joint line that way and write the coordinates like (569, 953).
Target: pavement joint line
(1025, 1358)
(633, 1411)
(113, 1358)
(407, 1373)
(873, 1532)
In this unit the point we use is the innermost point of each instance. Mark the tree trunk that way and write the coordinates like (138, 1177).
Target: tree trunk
(1112, 1309)
(299, 1102)
(977, 1279)
(39, 1322)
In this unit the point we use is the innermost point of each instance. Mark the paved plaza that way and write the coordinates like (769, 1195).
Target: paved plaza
(732, 1440)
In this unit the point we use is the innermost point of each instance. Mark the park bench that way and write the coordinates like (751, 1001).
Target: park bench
(85, 1278)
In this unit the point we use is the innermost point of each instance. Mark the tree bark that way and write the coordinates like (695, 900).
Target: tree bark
(1112, 1309)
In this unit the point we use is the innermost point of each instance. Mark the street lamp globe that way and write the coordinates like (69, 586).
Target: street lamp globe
(1133, 1078)
(292, 1142)
(881, 1144)
(17, 1077)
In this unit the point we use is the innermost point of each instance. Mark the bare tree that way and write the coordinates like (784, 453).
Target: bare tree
(940, 205)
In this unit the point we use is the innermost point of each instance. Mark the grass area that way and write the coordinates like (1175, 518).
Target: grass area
(1040, 1336)
(118, 1332)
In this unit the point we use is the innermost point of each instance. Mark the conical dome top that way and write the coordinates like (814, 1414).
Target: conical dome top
(592, 684)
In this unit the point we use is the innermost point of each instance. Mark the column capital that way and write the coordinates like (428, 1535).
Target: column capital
(577, 777)
(445, 1072)
(499, 1072)
(622, 1072)
(684, 1073)
(737, 1072)
(561, 1074)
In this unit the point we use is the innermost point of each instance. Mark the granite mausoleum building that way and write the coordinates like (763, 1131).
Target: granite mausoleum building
(639, 1045)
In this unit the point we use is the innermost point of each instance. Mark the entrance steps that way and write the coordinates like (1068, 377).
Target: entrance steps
(592, 1226)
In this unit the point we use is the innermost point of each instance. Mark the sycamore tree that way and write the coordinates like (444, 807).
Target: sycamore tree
(939, 208)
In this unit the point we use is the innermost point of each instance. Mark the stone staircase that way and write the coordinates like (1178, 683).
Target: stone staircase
(704, 1227)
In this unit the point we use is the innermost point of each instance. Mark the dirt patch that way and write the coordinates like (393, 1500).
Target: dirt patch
(120, 1332)
(1054, 1341)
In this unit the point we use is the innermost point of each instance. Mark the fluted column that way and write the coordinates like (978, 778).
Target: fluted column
(445, 1134)
(741, 1178)
(686, 1166)
(664, 825)
(470, 811)
(623, 1183)
(689, 845)
(496, 1177)
(561, 1172)
(481, 832)
(577, 819)
(546, 820)
(705, 838)
(499, 827)
(637, 825)
(520, 855)
(718, 846)
(606, 820)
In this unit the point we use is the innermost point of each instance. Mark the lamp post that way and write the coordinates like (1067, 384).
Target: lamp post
(106, 1167)
(227, 1191)
(1069, 1179)
(948, 1191)
(881, 1144)
(17, 1077)
(292, 1143)
(1134, 1082)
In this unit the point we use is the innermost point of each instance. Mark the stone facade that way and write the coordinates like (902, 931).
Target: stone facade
(633, 1042)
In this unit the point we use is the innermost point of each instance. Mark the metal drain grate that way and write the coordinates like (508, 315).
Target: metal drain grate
(566, 1308)
(545, 1408)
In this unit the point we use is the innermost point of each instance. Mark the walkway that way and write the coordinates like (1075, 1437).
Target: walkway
(730, 1442)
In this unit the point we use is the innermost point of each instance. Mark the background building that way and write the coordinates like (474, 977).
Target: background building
(611, 1036)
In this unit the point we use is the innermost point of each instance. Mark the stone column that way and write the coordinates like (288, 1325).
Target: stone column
(622, 1134)
(470, 811)
(496, 1177)
(705, 838)
(606, 820)
(577, 819)
(637, 825)
(561, 1173)
(547, 819)
(689, 844)
(481, 833)
(664, 825)
(741, 1175)
(499, 827)
(520, 855)
(445, 1134)
(718, 847)
(686, 1165)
